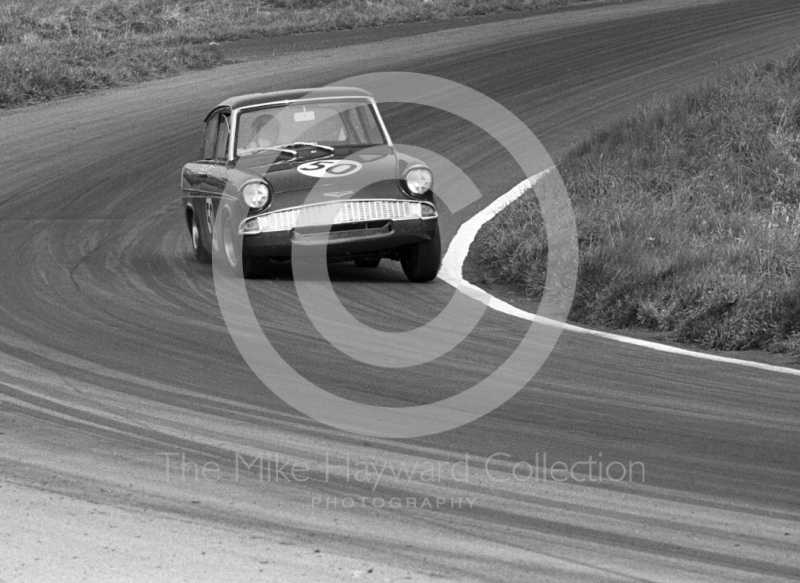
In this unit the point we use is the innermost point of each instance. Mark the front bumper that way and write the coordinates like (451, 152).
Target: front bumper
(351, 227)
(372, 237)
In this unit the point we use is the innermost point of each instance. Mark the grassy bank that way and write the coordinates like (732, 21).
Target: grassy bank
(51, 48)
(688, 217)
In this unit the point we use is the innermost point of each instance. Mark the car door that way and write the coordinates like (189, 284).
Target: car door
(204, 181)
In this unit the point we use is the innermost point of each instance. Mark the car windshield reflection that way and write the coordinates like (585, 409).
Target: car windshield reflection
(324, 125)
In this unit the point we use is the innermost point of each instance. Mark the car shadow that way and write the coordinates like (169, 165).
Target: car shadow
(387, 271)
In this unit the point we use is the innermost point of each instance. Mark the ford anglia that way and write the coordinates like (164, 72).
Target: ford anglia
(308, 167)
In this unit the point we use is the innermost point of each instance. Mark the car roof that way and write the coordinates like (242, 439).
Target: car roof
(292, 95)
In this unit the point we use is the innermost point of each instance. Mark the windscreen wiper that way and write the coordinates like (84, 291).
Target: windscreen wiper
(308, 145)
(261, 149)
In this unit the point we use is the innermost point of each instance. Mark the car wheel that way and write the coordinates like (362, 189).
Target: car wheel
(251, 266)
(200, 252)
(367, 261)
(421, 261)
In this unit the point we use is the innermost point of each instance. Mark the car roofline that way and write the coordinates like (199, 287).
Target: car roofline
(287, 96)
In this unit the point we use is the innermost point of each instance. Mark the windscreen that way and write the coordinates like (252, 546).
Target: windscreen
(330, 123)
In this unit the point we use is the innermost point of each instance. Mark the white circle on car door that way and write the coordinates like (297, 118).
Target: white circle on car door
(329, 168)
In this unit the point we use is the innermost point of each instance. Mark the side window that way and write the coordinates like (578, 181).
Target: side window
(370, 124)
(210, 138)
(222, 137)
(354, 124)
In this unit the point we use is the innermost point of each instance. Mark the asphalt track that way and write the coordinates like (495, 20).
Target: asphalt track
(114, 349)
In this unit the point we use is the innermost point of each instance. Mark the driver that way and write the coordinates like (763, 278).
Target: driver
(264, 131)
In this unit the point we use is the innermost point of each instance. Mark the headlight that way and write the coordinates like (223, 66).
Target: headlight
(418, 181)
(256, 195)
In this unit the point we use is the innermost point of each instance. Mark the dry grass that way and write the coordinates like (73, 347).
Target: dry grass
(51, 48)
(43, 70)
(688, 217)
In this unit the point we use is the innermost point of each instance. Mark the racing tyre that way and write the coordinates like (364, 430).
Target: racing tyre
(200, 252)
(251, 266)
(421, 261)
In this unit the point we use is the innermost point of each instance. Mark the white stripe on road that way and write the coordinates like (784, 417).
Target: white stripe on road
(453, 262)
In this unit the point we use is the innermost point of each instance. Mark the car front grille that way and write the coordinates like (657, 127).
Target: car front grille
(350, 211)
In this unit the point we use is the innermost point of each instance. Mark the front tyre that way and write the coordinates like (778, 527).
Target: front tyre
(421, 261)
(251, 267)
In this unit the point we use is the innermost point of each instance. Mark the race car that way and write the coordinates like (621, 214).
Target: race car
(308, 167)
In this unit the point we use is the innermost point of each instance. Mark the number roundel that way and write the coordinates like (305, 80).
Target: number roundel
(329, 168)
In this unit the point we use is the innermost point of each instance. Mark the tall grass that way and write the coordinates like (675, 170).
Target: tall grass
(204, 20)
(688, 217)
(37, 71)
(50, 48)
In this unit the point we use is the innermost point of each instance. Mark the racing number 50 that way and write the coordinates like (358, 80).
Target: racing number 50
(325, 168)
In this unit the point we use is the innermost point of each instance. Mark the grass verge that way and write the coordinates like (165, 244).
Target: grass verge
(52, 48)
(688, 217)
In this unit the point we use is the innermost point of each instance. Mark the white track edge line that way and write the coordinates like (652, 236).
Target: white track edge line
(453, 263)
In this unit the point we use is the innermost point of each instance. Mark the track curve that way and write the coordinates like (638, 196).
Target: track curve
(114, 350)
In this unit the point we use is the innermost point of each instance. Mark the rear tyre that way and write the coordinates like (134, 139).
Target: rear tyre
(367, 261)
(421, 261)
(200, 252)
